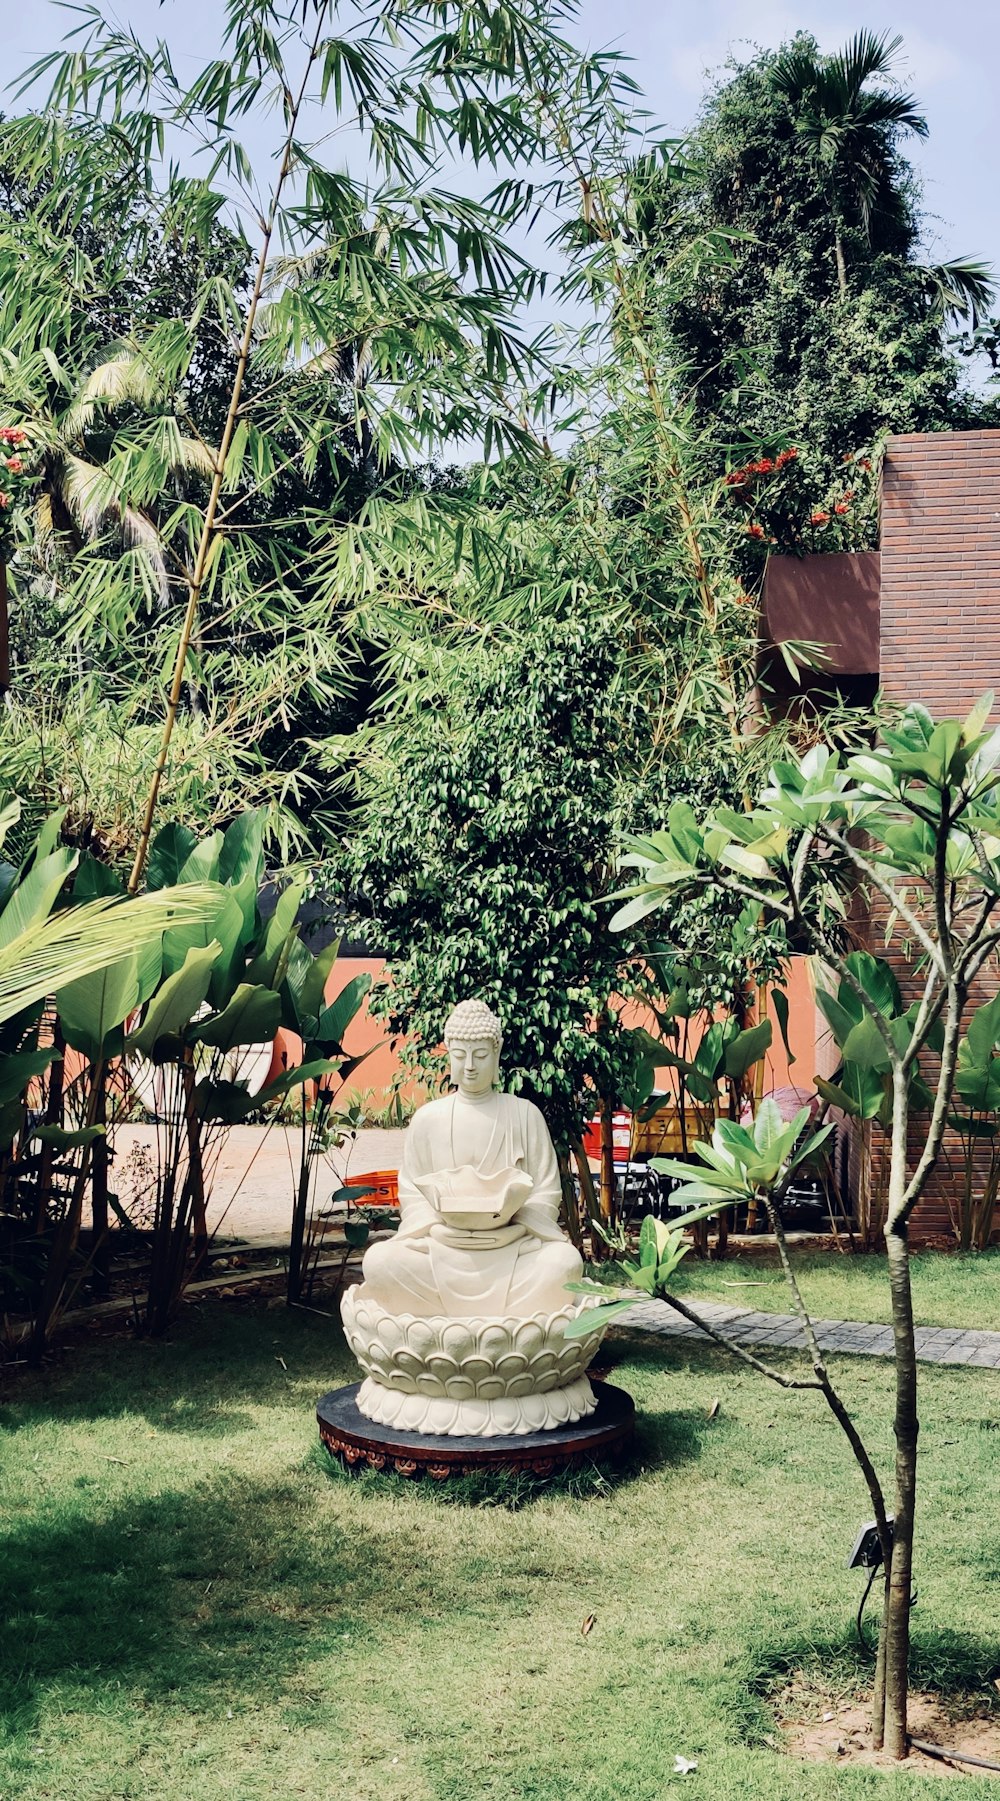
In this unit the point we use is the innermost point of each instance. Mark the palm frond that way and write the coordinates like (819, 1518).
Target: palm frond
(962, 290)
(92, 502)
(78, 941)
(125, 379)
(868, 53)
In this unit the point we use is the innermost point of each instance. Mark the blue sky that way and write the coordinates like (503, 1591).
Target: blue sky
(952, 55)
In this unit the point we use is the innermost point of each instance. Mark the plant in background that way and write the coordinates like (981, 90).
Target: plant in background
(927, 799)
(193, 989)
(380, 295)
(488, 880)
(225, 989)
(62, 930)
(822, 327)
(976, 1119)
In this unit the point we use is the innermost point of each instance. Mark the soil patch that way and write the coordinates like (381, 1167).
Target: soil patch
(823, 1726)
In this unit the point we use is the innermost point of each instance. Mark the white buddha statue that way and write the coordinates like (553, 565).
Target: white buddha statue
(479, 1196)
(460, 1322)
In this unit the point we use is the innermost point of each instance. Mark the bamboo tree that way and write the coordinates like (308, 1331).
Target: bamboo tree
(423, 279)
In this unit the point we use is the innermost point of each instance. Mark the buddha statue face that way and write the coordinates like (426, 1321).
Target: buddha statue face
(475, 1065)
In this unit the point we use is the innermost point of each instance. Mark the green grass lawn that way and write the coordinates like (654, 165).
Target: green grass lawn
(948, 1290)
(196, 1606)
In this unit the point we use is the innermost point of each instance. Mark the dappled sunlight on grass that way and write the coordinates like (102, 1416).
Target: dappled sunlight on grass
(196, 1605)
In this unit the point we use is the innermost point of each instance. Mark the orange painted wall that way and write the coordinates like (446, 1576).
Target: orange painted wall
(382, 1067)
(378, 1071)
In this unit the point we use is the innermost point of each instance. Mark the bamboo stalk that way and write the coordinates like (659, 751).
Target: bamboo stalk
(199, 573)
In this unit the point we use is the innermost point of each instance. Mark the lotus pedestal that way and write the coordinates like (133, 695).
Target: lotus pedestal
(447, 1395)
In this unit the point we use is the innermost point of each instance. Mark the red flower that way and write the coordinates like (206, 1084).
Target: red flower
(819, 518)
(755, 531)
(864, 463)
(15, 465)
(4, 500)
(744, 600)
(763, 466)
(736, 478)
(841, 507)
(786, 456)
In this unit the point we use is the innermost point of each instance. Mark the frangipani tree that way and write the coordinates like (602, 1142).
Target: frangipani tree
(915, 825)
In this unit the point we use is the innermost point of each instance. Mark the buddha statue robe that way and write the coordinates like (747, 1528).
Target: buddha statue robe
(514, 1270)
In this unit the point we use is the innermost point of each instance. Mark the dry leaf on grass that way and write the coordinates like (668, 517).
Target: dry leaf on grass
(588, 1625)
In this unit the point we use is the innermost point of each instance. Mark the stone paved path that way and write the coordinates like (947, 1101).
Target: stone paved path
(935, 1344)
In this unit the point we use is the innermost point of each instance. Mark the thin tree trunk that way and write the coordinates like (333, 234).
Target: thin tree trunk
(838, 250)
(607, 1197)
(196, 1169)
(299, 1211)
(101, 1244)
(4, 631)
(896, 1624)
(906, 1426)
(570, 1205)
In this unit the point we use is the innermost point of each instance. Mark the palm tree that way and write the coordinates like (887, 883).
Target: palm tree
(70, 420)
(848, 128)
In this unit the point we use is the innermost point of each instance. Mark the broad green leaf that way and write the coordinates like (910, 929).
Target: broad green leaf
(335, 1019)
(840, 1021)
(864, 1045)
(224, 928)
(639, 907)
(594, 1319)
(11, 1116)
(170, 851)
(242, 852)
(264, 967)
(202, 863)
(92, 1008)
(33, 899)
(251, 1017)
(94, 880)
(10, 813)
(747, 1049)
(680, 1222)
(875, 976)
(177, 1001)
(226, 1102)
(779, 1001)
(983, 1034)
(313, 1071)
(19, 1068)
(48, 836)
(64, 1140)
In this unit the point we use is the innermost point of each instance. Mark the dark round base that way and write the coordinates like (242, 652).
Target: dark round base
(361, 1444)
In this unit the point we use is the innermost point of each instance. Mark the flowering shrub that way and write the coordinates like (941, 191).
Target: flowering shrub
(16, 477)
(741, 478)
(781, 507)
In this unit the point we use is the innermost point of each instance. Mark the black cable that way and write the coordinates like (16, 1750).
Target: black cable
(946, 1756)
(865, 1646)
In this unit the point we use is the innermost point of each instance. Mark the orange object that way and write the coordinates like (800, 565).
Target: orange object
(384, 1184)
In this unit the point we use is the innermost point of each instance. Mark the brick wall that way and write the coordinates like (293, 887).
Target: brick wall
(940, 619)
(940, 601)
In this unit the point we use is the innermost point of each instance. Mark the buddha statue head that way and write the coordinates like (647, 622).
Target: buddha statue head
(473, 1036)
